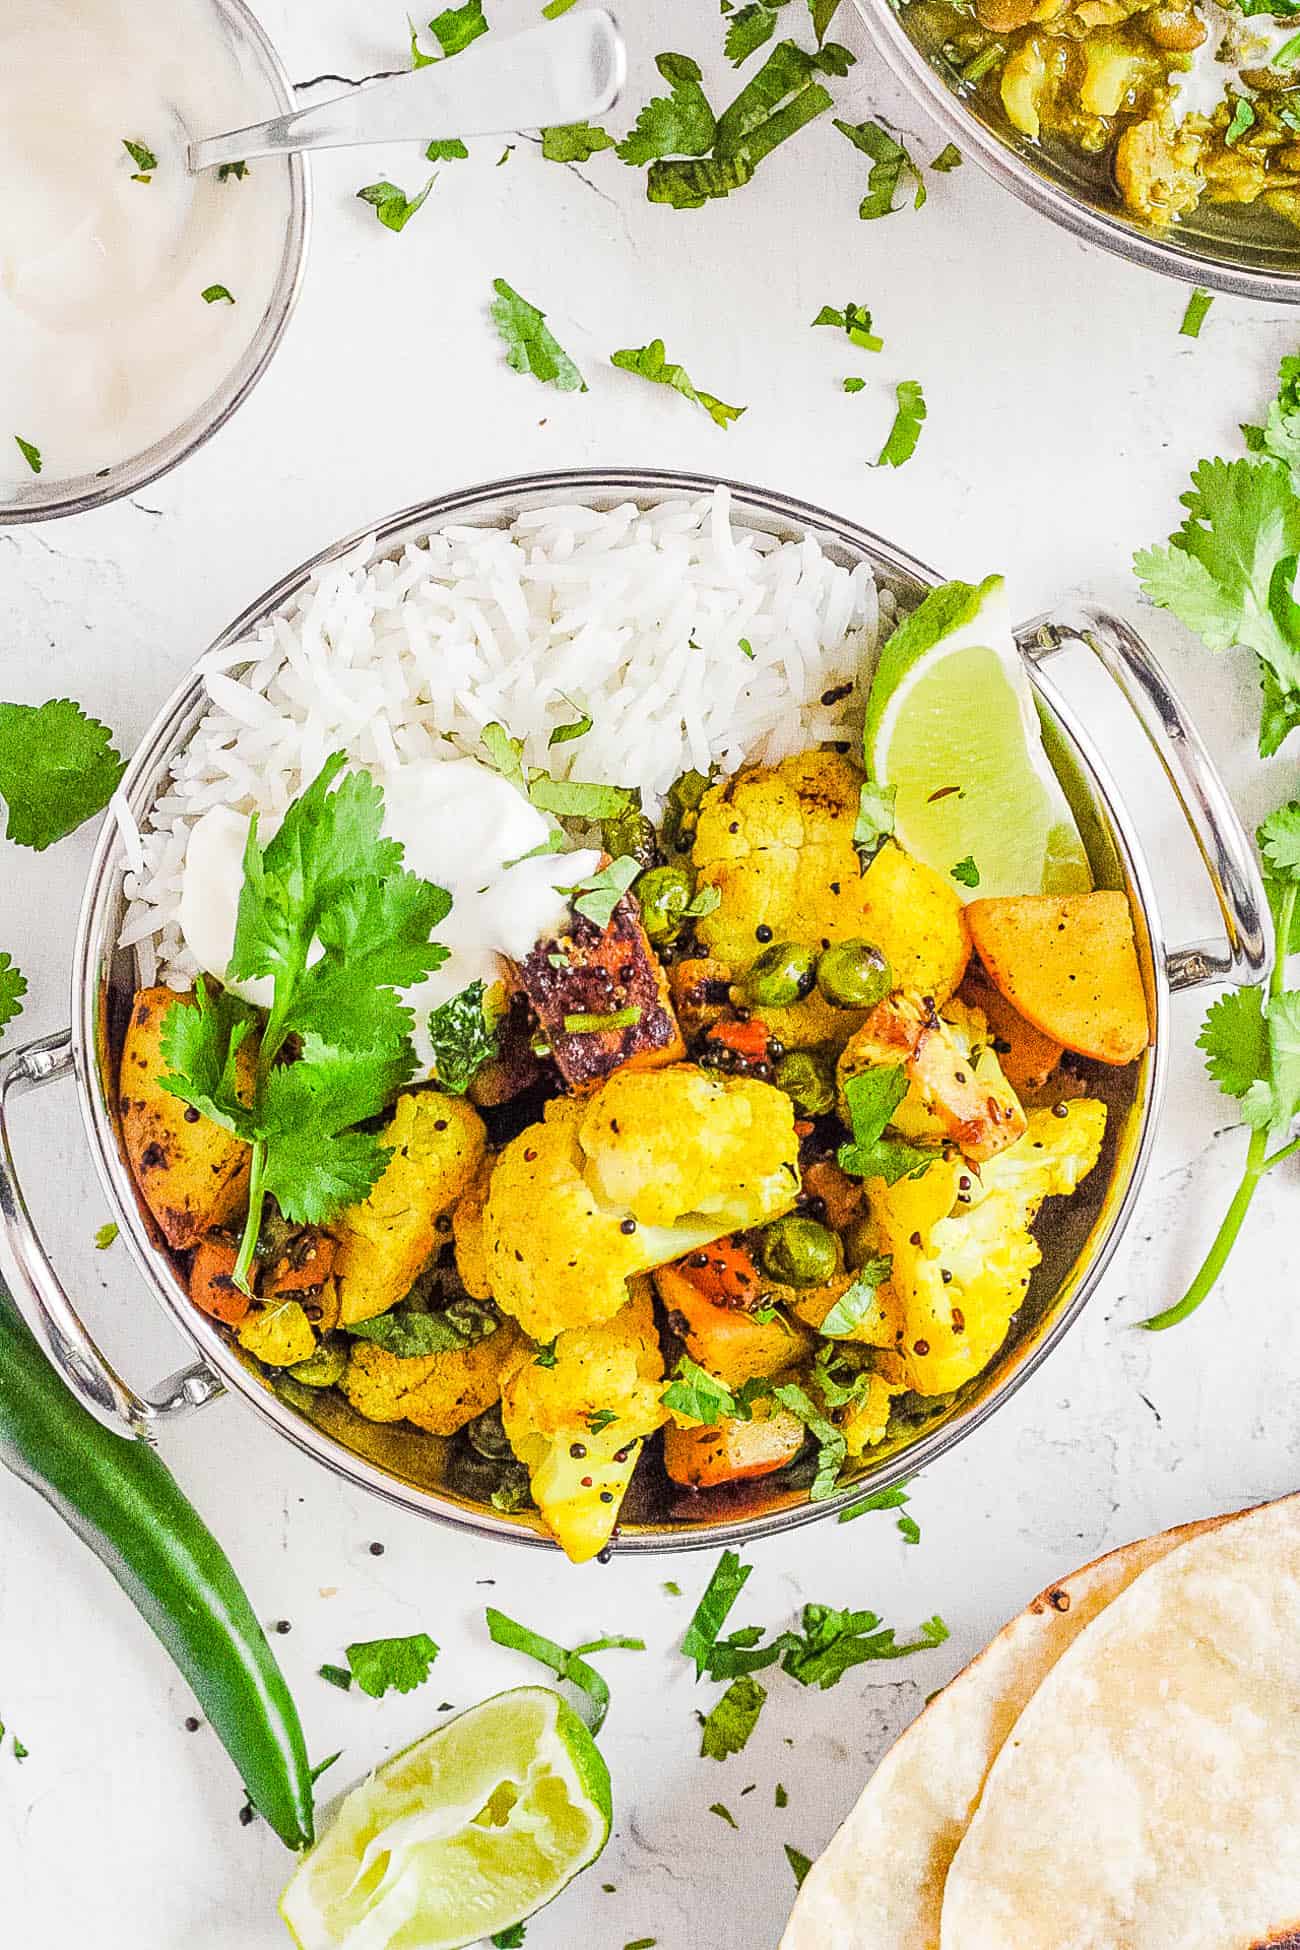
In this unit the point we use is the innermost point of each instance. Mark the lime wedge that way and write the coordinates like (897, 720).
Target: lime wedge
(951, 725)
(459, 1836)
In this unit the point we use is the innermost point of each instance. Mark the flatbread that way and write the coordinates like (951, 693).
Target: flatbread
(879, 1884)
(1149, 1796)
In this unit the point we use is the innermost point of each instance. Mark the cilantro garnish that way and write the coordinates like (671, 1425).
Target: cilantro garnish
(799, 1863)
(740, 1653)
(446, 149)
(217, 294)
(462, 1039)
(695, 1392)
(1252, 1050)
(891, 1499)
(234, 172)
(31, 454)
(649, 362)
(642, 1942)
(596, 897)
(906, 430)
(831, 1445)
(105, 1237)
(823, 13)
(780, 1798)
(720, 1594)
(13, 987)
(530, 344)
(948, 158)
(750, 28)
(143, 157)
(872, 1097)
(727, 1728)
(382, 1666)
(574, 142)
(1194, 317)
(680, 124)
(889, 162)
(391, 205)
(966, 873)
(1243, 120)
(909, 1529)
(875, 821)
(600, 1418)
(832, 1642)
(456, 27)
(545, 1356)
(336, 1676)
(554, 8)
(58, 768)
(855, 1303)
(723, 1812)
(575, 798)
(409, 1331)
(330, 886)
(564, 734)
(855, 320)
(569, 1666)
(780, 99)
(511, 1939)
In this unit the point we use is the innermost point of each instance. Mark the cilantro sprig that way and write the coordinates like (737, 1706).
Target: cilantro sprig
(329, 916)
(1251, 1041)
(58, 769)
(570, 1666)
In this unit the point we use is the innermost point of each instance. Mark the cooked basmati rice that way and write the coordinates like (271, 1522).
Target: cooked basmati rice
(690, 640)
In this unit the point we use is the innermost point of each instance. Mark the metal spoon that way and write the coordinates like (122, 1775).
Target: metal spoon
(567, 71)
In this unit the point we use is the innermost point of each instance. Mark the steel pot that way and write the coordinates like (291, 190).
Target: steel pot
(1078, 1244)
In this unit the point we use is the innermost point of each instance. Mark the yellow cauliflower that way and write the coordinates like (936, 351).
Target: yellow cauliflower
(778, 846)
(437, 1144)
(961, 1243)
(656, 1164)
(437, 1392)
(578, 1425)
(467, 1232)
(956, 1088)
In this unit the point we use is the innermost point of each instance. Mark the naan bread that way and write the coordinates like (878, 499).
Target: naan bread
(1149, 1795)
(879, 1885)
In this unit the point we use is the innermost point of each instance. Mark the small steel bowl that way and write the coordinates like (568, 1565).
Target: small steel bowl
(1208, 248)
(46, 500)
(1078, 1235)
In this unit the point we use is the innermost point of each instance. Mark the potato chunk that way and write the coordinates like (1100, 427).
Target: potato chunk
(1069, 964)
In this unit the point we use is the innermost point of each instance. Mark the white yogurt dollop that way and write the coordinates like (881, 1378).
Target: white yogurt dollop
(463, 827)
(106, 342)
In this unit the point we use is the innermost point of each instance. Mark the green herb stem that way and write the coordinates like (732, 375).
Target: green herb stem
(253, 1223)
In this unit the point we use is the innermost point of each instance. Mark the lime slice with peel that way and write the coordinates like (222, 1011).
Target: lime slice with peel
(951, 725)
(459, 1836)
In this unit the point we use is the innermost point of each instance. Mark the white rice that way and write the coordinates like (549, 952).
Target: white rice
(634, 616)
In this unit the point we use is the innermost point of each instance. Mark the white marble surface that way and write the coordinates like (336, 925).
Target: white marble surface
(1065, 411)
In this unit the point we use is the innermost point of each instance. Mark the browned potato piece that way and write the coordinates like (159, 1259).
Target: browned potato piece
(1069, 964)
(727, 1341)
(732, 1452)
(1027, 1056)
(192, 1174)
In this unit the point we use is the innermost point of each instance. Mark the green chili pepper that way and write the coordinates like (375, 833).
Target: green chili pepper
(121, 1501)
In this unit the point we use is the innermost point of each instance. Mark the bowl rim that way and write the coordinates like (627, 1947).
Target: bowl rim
(93, 952)
(1164, 255)
(84, 492)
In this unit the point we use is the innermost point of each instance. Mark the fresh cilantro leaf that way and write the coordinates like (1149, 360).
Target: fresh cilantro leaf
(909, 1529)
(505, 754)
(105, 1237)
(574, 142)
(1243, 120)
(948, 158)
(823, 13)
(13, 987)
(720, 1594)
(841, 1373)
(564, 734)
(314, 1163)
(695, 1392)
(889, 163)
(446, 149)
(740, 1653)
(750, 28)
(596, 897)
(906, 430)
(200, 1046)
(58, 769)
(575, 799)
(545, 1356)
(391, 205)
(875, 821)
(1234, 1037)
(511, 1939)
(690, 185)
(831, 1446)
(649, 362)
(1279, 841)
(642, 1943)
(1272, 1103)
(336, 1676)
(531, 346)
(571, 1667)
(381, 1666)
(855, 1303)
(727, 1728)
(142, 156)
(833, 1642)
(31, 454)
(232, 172)
(462, 1039)
(891, 1499)
(799, 1863)
(966, 873)
(855, 320)
(456, 27)
(407, 1332)
(779, 1796)
(554, 8)
(679, 124)
(872, 1098)
(779, 100)
(20, 1752)
(723, 1812)
(217, 294)
(601, 1418)
(1194, 317)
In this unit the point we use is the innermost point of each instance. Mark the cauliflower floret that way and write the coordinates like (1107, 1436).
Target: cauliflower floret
(961, 1243)
(578, 1425)
(656, 1164)
(467, 1232)
(956, 1086)
(437, 1392)
(778, 846)
(437, 1144)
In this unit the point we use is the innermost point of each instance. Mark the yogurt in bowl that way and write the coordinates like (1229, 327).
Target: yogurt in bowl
(138, 303)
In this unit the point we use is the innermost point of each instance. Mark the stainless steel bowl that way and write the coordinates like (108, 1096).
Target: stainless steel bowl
(1210, 248)
(42, 500)
(1078, 1239)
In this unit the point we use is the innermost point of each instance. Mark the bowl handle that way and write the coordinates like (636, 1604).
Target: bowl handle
(1246, 954)
(39, 1294)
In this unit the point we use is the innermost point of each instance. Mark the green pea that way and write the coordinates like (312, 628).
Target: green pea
(665, 893)
(854, 975)
(631, 835)
(783, 973)
(808, 1078)
(487, 1437)
(800, 1252)
(323, 1368)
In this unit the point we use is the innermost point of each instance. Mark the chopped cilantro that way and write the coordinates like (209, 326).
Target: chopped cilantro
(780, 1797)
(382, 1666)
(853, 384)
(780, 99)
(600, 1418)
(336, 1676)
(823, 13)
(855, 320)
(889, 162)
(217, 294)
(746, 649)
(462, 1039)
(554, 8)
(105, 1237)
(574, 142)
(906, 430)
(143, 157)
(679, 124)
(31, 454)
(408, 1332)
(13, 987)
(700, 1395)
(966, 873)
(446, 149)
(391, 205)
(831, 1445)
(799, 1863)
(545, 1356)
(872, 1097)
(891, 1499)
(1243, 120)
(571, 1667)
(642, 1943)
(750, 28)
(909, 1529)
(673, 1590)
(583, 1024)
(1286, 56)
(832, 1642)
(724, 1813)
(575, 799)
(530, 345)
(564, 734)
(233, 172)
(720, 1594)
(875, 821)
(596, 897)
(649, 362)
(20, 1752)
(506, 154)
(948, 158)
(1194, 317)
(727, 1728)
(456, 27)
(511, 1939)
(58, 768)
(855, 1303)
